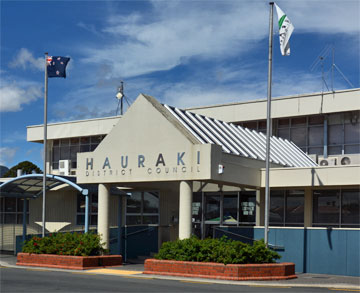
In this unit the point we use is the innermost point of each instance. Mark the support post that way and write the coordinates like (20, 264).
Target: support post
(326, 137)
(103, 213)
(86, 213)
(185, 209)
(45, 147)
(260, 207)
(268, 127)
(24, 219)
(119, 231)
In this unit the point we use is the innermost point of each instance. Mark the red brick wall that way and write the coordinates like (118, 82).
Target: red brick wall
(67, 261)
(276, 271)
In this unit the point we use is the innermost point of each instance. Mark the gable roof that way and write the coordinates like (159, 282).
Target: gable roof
(240, 141)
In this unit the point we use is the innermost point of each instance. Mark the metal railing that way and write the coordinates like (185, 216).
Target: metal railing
(272, 246)
(126, 236)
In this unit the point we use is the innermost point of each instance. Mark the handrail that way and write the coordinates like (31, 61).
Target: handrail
(126, 236)
(139, 231)
(236, 234)
(133, 233)
(252, 239)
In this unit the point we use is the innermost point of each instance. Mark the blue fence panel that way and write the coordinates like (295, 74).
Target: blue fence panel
(140, 241)
(327, 251)
(322, 251)
(353, 253)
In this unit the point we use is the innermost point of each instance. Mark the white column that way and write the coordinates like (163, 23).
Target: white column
(103, 213)
(185, 209)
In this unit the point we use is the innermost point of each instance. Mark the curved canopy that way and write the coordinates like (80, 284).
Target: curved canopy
(31, 186)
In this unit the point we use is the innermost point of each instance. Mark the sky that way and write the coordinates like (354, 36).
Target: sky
(184, 53)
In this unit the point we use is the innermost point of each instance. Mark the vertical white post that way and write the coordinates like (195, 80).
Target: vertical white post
(185, 209)
(103, 213)
(268, 127)
(45, 147)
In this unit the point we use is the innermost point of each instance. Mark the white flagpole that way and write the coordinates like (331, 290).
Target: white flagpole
(268, 128)
(45, 147)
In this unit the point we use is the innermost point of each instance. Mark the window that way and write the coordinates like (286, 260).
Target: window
(255, 125)
(277, 206)
(336, 208)
(306, 132)
(11, 210)
(344, 133)
(93, 209)
(247, 207)
(235, 208)
(67, 149)
(287, 208)
(197, 207)
(212, 208)
(350, 208)
(142, 208)
(230, 209)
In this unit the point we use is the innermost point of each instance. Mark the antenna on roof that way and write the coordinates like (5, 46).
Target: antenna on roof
(121, 96)
(320, 61)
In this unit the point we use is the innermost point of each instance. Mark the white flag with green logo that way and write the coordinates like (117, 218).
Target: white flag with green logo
(285, 30)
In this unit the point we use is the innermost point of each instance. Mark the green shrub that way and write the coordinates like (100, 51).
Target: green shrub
(66, 244)
(222, 250)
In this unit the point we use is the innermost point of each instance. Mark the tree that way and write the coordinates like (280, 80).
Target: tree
(26, 167)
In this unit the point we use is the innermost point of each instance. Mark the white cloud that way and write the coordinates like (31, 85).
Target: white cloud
(145, 42)
(86, 102)
(185, 95)
(25, 59)
(171, 33)
(16, 136)
(324, 16)
(14, 96)
(88, 27)
(7, 155)
(179, 32)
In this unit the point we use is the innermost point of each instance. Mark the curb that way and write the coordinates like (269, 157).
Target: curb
(219, 271)
(239, 283)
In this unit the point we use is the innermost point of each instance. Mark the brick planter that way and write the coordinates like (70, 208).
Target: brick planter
(273, 271)
(68, 261)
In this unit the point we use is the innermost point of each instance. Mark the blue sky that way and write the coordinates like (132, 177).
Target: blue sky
(184, 53)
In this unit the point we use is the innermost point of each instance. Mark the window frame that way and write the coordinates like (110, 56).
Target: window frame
(285, 194)
(339, 223)
(81, 215)
(18, 213)
(142, 214)
(73, 146)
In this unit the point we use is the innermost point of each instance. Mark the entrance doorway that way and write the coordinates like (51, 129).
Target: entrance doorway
(211, 210)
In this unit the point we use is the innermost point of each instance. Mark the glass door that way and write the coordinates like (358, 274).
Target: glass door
(212, 213)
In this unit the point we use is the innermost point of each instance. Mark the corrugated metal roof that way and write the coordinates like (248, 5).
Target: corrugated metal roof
(241, 141)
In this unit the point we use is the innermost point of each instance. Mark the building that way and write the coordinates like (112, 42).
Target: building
(161, 173)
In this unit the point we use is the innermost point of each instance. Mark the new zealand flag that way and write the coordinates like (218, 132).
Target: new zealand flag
(57, 66)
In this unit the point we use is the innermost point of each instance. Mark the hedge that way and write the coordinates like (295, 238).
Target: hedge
(86, 244)
(222, 250)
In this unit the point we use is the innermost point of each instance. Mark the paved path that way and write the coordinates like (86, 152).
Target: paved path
(135, 271)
